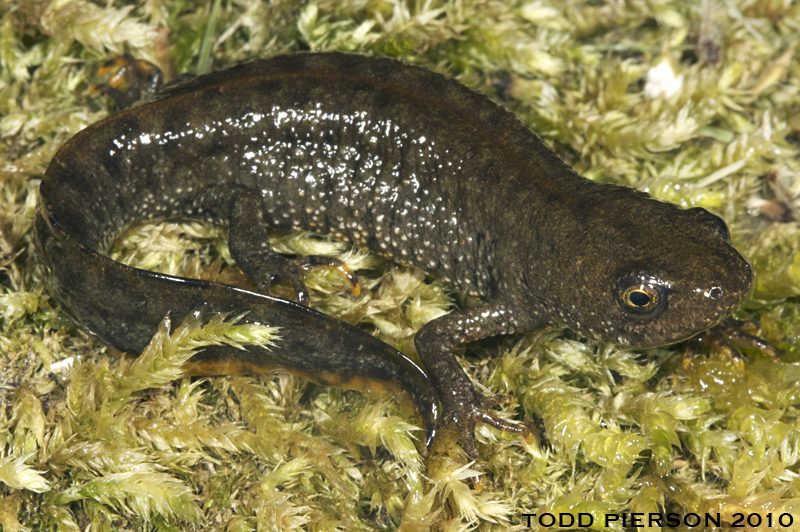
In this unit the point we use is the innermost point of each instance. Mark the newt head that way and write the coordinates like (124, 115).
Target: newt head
(647, 273)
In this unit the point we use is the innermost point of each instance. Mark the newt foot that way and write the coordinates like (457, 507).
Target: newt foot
(468, 408)
(724, 338)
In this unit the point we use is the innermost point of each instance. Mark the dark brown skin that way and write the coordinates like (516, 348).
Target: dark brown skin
(397, 159)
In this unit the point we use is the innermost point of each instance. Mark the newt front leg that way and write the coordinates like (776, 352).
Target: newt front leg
(724, 338)
(461, 403)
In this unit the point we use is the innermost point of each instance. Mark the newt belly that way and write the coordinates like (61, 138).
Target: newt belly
(399, 160)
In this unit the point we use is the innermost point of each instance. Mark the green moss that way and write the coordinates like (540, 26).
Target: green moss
(92, 439)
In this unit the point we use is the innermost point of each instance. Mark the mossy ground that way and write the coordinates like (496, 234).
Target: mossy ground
(111, 443)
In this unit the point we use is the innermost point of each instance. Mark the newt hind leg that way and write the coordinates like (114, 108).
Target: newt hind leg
(462, 404)
(130, 80)
(249, 245)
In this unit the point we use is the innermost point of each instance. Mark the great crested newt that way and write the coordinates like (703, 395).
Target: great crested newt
(396, 159)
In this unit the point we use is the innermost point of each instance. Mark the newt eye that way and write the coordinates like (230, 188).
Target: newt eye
(641, 295)
(722, 227)
(715, 221)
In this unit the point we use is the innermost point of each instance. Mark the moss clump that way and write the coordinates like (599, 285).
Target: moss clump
(692, 103)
